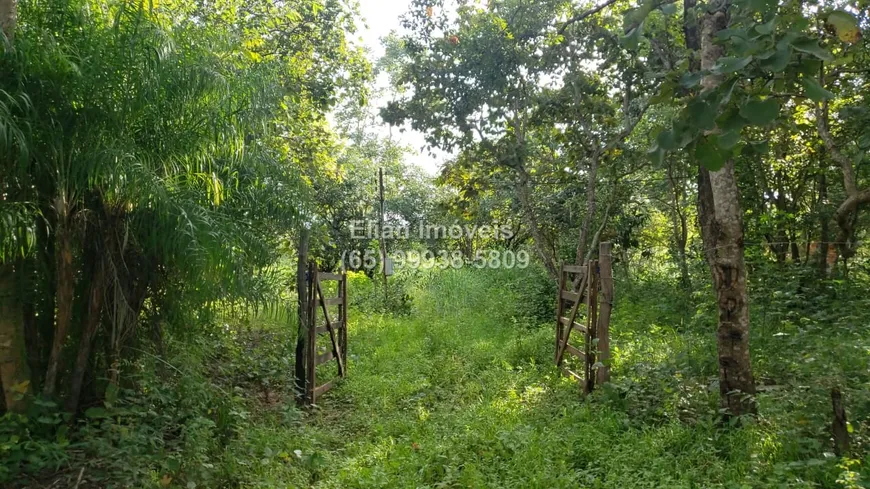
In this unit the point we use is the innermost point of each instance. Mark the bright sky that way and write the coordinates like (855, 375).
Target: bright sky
(382, 17)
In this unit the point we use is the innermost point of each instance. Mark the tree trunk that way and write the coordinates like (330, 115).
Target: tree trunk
(680, 226)
(795, 249)
(541, 243)
(847, 213)
(8, 17)
(590, 208)
(825, 236)
(65, 292)
(96, 296)
(14, 369)
(724, 223)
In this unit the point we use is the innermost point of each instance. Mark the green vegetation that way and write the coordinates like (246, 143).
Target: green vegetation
(462, 393)
(166, 166)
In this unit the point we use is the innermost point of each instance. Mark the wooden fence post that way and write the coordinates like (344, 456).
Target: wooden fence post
(591, 323)
(839, 427)
(605, 261)
(559, 312)
(302, 314)
(311, 346)
(342, 292)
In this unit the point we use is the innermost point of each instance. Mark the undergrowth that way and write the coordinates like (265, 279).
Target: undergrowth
(457, 389)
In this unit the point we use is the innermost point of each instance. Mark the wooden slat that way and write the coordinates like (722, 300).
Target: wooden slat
(329, 276)
(574, 351)
(571, 296)
(574, 268)
(571, 373)
(323, 329)
(324, 357)
(323, 388)
(332, 335)
(577, 326)
(333, 301)
(581, 288)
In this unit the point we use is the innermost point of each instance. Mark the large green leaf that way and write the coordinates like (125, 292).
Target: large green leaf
(766, 28)
(731, 120)
(692, 79)
(666, 140)
(632, 39)
(732, 64)
(777, 60)
(815, 91)
(760, 112)
(656, 155)
(729, 139)
(701, 114)
(811, 46)
(727, 34)
(666, 92)
(709, 155)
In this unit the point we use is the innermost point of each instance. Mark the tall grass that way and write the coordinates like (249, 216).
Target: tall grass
(459, 390)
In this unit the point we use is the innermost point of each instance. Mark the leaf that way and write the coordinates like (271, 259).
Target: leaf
(729, 139)
(760, 113)
(701, 114)
(726, 34)
(632, 39)
(684, 134)
(656, 155)
(815, 91)
(666, 140)
(21, 387)
(669, 8)
(689, 80)
(767, 27)
(709, 155)
(666, 92)
(635, 17)
(809, 66)
(762, 6)
(731, 121)
(845, 25)
(811, 46)
(96, 412)
(728, 91)
(732, 64)
(778, 60)
(760, 147)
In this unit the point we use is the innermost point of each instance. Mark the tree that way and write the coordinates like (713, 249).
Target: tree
(150, 165)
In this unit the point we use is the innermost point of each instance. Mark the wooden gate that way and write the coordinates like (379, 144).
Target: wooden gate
(579, 286)
(332, 326)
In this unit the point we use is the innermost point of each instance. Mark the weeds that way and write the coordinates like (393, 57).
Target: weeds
(461, 392)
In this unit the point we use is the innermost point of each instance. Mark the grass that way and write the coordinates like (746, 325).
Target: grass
(459, 390)
(462, 393)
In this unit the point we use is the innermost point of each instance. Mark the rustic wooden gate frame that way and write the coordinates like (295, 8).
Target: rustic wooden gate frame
(337, 330)
(583, 288)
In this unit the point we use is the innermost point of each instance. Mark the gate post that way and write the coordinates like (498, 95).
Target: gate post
(559, 312)
(591, 324)
(311, 346)
(302, 314)
(605, 263)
